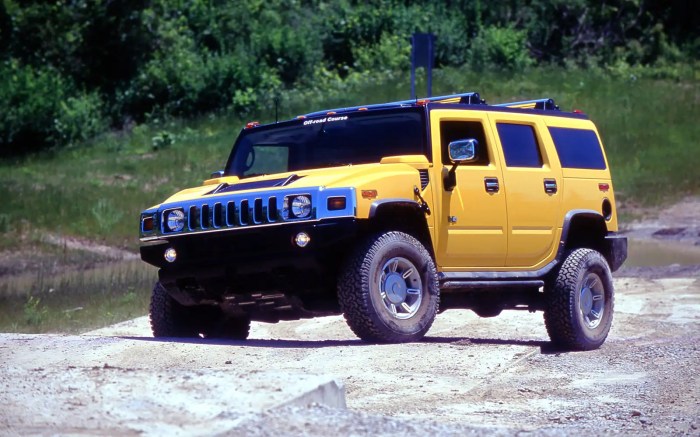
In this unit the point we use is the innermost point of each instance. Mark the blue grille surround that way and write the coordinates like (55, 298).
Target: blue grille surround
(227, 212)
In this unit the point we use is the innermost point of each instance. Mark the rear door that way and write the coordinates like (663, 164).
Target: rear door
(532, 182)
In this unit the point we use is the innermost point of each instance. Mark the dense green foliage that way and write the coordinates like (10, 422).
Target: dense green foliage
(70, 68)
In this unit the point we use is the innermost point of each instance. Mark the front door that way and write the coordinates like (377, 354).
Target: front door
(473, 232)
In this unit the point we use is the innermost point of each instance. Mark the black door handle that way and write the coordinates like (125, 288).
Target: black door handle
(550, 186)
(491, 185)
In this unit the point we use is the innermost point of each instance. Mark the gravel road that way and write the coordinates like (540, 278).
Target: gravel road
(469, 376)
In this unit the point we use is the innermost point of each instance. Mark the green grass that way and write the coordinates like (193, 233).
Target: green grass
(96, 190)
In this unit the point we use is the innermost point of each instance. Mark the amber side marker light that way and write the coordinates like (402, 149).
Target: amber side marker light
(336, 203)
(147, 224)
(369, 194)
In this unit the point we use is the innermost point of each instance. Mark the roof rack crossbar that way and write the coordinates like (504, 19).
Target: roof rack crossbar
(472, 98)
(543, 104)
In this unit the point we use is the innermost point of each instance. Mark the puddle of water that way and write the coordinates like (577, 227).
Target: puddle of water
(645, 253)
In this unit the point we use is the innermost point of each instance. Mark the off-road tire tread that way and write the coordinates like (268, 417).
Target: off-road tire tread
(166, 315)
(353, 293)
(560, 302)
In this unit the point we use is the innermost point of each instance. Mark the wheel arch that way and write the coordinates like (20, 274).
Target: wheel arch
(585, 229)
(403, 215)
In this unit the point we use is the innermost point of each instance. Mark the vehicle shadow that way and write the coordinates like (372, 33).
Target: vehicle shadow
(545, 346)
(267, 343)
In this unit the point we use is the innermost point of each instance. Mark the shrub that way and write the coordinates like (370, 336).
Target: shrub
(42, 108)
(501, 47)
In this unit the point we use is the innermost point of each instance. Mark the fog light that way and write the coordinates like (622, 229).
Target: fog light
(302, 239)
(170, 254)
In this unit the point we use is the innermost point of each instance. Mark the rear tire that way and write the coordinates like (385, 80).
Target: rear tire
(579, 304)
(170, 319)
(388, 290)
(227, 327)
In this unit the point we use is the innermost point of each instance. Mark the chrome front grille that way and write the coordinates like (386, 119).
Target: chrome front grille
(233, 213)
(243, 210)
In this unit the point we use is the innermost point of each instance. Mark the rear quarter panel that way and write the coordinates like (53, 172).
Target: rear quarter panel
(581, 187)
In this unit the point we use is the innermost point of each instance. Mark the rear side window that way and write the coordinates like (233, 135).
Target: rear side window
(578, 148)
(519, 145)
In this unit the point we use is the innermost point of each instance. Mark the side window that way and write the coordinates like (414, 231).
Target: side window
(520, 146)
(460, 130)
(578, 148)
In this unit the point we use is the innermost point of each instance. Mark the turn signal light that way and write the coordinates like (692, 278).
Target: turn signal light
(147, 224)
(369, 194)
(336, 203)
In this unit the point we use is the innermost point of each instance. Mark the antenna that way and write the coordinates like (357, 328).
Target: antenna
(277, 101)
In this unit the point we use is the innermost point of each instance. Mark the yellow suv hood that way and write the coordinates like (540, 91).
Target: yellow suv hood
(394, 177)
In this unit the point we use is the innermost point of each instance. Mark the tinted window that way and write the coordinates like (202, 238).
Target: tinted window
(328, 141)
(462, 130)
(519, 145)
(578, 148)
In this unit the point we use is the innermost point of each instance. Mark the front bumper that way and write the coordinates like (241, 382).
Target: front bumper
(252, 260)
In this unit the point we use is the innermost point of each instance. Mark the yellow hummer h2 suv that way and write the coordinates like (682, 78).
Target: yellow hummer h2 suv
(389, 214)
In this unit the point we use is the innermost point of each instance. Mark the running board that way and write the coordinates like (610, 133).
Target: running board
(466, 285)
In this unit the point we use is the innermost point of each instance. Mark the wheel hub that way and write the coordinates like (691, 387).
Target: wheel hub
(400, 288)
(586, 300)
(395, 288)
(592, 300)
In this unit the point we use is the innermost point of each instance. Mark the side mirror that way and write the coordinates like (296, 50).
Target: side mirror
(217, 174)
(461, 152)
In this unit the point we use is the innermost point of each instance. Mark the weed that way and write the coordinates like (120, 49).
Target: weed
(162, 140)
(106, 215)
(34, 311)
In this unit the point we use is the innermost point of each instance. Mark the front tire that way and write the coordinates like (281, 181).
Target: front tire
(579, 304)
(169, 318)
(388, 290)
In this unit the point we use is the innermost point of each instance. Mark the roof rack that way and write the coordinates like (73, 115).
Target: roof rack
(543, 104)
(472, 98)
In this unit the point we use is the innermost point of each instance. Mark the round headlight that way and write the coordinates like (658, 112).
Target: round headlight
(175, 220)
(301, 206)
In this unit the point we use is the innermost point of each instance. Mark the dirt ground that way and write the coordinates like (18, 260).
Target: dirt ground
(470, 376)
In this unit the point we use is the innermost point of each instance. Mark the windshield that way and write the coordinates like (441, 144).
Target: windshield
(329, 141)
